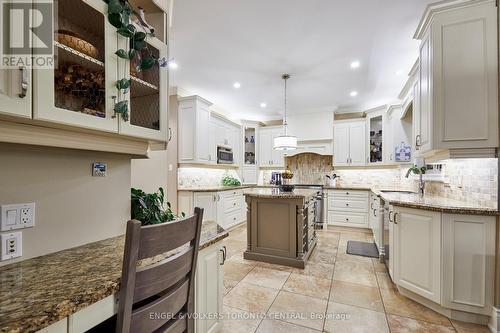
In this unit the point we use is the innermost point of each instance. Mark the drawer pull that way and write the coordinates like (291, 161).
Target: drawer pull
(347, 193)
(347, 204)
(347, 219)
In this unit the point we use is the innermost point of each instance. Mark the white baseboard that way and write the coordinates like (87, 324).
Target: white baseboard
(494, 324)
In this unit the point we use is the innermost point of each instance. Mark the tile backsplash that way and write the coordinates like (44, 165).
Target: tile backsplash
(470, 180)
(202, 177)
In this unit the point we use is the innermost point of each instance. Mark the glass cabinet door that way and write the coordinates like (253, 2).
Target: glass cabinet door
(79, 90)
(249, 144)
(148, 96)
(375, 128)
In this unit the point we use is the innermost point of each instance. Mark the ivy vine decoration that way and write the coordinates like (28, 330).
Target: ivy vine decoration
(121, 15)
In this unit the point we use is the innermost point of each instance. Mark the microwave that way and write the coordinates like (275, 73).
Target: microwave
(224, 155)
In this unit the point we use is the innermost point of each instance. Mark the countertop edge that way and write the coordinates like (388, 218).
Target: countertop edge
(87, 298)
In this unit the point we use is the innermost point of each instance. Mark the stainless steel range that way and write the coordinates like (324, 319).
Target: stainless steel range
(319, 221)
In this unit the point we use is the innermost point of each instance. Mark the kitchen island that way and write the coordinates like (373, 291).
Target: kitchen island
(280, 226)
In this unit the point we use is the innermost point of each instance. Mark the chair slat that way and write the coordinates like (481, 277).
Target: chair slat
(161, 238)
(153, 279)
(177, 326)
(155, 314)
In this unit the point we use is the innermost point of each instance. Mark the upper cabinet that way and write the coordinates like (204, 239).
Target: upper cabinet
(195, 130)
(457, 94)
(349, 142)
(375, 131)
(15, 92)
(312, 126)
(148, 93)
(79, 91)
(268, 156)
(201, 132)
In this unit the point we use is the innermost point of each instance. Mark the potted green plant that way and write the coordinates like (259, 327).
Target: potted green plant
(149, 208)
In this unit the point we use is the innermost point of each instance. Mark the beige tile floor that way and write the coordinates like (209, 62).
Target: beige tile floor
(336, 292)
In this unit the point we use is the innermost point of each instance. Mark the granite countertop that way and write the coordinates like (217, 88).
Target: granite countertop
(435, 203)
(213, 188)
(271, 193)
(38, 292)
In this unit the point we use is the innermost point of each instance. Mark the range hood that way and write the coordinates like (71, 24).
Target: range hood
(320, 147)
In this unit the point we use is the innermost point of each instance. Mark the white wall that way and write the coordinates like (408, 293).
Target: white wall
(313, 126)
(150, 174)
(72, 207)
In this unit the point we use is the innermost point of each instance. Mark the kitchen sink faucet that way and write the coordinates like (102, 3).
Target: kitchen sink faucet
(418, 171)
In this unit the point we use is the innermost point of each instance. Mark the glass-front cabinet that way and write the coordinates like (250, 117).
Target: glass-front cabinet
(80, 89)
(249, 144)
(148, 94)
(375, 124)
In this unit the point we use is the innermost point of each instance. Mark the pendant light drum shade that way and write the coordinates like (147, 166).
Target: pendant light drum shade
(285, 142)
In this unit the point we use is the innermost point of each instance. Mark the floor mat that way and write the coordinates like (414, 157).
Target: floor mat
(363, 249)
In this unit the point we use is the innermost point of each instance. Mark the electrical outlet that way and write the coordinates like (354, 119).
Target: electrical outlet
(17, 216)
(11, 245)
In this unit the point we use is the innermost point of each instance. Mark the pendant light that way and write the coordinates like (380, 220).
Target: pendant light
(285, 142)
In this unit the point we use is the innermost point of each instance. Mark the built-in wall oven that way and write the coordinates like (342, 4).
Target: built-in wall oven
(224, 155)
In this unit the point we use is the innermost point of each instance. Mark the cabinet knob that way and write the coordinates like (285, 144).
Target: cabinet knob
(347, 204)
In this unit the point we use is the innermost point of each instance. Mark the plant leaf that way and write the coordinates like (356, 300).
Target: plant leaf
(122, 109)
(147, 63)
(139, 36)
(138, 44)
(131, 54)
(115, 6)
(124, 32)
(115, 20)
(122, 54)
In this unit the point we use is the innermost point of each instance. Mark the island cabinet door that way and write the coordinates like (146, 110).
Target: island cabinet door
(417, 251)
(209, 288)
(468, 262)
(79, 90)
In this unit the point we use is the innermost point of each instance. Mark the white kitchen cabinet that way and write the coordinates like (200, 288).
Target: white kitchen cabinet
(376, 128)
(147, 96)
(224, 207)
(207, 201)
(56, 101)
(347, 208)
(249, 174)
(14, 99)
(209, 287)
(468, 262)
(195, 131)
(457, 105)
(268, 156)
(416, 249)
(59, 327)
(349, 142)
(398, 129)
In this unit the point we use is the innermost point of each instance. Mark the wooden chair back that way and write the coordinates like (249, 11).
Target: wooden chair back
(159, 297)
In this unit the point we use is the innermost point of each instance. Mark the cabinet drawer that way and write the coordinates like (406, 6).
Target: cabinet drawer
(231, 193)
(357, 205)
(232, 203)
(344, 194)
(346, 218)
(232, 218)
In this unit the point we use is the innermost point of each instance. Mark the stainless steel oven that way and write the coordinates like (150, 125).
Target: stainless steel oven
(224, 155)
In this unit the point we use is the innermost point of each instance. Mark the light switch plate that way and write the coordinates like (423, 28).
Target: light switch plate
(11, 245)
(17, 216)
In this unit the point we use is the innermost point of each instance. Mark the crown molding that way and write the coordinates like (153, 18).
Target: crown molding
(441, 6)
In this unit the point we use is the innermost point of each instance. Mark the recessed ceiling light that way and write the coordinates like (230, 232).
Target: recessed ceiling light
(173, 65)
(236, 85)
(353, 93)
(355, 64)
(263, 105)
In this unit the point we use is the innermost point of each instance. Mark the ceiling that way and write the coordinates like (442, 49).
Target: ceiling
(219, 42)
